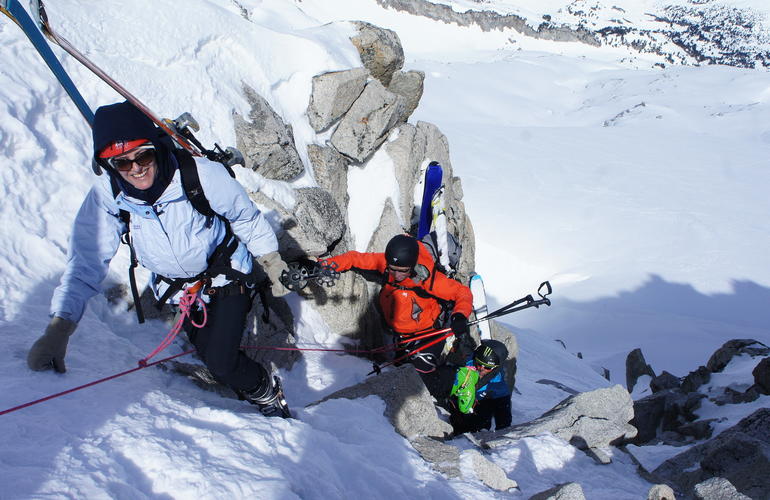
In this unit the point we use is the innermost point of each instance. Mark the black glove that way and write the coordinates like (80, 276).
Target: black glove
(459, 325)
(49, 350)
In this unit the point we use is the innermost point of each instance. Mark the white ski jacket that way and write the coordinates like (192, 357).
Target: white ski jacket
(170, 237)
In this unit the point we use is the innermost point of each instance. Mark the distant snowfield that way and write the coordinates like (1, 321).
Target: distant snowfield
(652, 229)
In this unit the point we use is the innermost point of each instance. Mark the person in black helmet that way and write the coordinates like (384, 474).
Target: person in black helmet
(414, 295)
(492, 392)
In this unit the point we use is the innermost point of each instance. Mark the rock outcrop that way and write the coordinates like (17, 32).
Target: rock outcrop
(333, 94)
(669, 415)
(368, 121)
(590, 421)
(446, 459)
(636, 366)
(566, 491)
(266, 142)
(408, 405)
(741, 455)
(380, 50)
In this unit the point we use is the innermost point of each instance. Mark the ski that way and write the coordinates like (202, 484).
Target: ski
(480, 305)
(439, 225)
(18, 15)
(431, 182)
(168, 126)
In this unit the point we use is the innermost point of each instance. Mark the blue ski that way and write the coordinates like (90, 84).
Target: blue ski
(433, 177)
(17, 14)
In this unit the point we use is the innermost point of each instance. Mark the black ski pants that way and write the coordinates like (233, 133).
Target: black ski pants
(483, 413)
(218, 342)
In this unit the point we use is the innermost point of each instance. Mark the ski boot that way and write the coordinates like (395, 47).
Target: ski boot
(270, 400)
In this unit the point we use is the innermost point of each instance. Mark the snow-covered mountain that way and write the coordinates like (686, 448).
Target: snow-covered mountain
(639, 191)
(681, 32)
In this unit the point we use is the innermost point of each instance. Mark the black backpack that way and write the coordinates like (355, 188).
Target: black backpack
(219, 260)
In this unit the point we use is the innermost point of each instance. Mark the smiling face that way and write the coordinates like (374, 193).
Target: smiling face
(138, 166)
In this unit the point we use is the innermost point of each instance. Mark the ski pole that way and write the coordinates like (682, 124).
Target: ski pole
(520, 304)
(513, 307)
(544, 290)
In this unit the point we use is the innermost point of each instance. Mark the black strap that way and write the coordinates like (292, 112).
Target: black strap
(488, 377)
(191, 182)
(218, 263)
(125, 217)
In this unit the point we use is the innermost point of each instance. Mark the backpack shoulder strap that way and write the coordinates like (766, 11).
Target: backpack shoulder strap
(191, 182)
(125, 217)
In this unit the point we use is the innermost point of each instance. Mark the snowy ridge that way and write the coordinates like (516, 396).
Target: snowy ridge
(684, 32)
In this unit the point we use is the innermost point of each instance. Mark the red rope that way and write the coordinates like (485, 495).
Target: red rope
(186, 302)
(105, 379)
(406, 340)
(390, 347)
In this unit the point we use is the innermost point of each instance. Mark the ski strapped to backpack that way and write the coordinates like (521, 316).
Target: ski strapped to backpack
(218, 261)
(180, 130)
(17, 14)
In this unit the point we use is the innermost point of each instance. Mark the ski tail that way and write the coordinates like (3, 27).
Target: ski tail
(480, 305)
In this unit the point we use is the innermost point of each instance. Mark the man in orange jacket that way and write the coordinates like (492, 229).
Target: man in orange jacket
(415, 296)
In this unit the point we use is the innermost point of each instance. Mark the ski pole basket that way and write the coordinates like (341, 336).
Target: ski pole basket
(301, 273)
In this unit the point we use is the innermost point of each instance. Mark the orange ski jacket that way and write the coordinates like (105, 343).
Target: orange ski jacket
(411, 305)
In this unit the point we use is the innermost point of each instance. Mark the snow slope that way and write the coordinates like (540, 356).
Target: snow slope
(651, 228)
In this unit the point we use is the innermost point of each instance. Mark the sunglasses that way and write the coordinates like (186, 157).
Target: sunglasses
(481, 364)
(145, 155)
(395, 270)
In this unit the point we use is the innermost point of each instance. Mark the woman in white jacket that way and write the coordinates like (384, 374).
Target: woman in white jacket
(174, 241)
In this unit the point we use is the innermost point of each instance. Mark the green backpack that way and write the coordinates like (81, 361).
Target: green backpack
(465, 388)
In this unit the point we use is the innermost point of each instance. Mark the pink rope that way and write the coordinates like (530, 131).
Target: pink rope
(84, 386)
(390, 347)
(186, 302)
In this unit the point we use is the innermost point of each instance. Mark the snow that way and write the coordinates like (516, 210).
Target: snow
(638, 192)
(369, 188)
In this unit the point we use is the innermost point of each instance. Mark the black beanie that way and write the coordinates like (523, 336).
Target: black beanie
(125, 122)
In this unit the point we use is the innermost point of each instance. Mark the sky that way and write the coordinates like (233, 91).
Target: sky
(637, 191)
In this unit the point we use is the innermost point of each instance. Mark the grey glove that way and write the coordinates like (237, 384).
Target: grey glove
(273, 265)
(50, 349)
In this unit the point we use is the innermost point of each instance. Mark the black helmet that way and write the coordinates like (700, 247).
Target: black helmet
(485, 356)
(402, 251)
